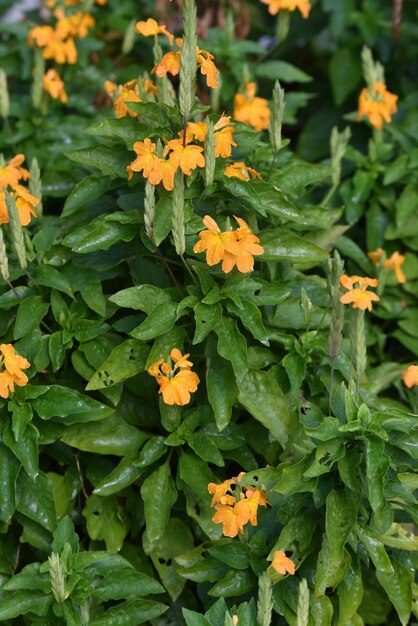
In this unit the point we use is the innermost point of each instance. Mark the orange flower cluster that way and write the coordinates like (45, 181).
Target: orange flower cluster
(234, 507)
(159, 169)
(11, 173)
(58, 43)
(223, 131)
(378, 104)
(68, 3)
(241, 171)
(282, 564)
(232, 247)
(54, 85)
(170, 64)
(394, 262)
(275, 6)
(176, 381)
(151, 28)
(359, 296)
(11, 365)
(250, 109)
(122, 94)
(410, 376)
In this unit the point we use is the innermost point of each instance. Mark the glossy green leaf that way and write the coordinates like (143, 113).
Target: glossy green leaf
(160, 321)
(234, 583)
(9, 468)
(333, 559)
(124, 474)
(221, 386)
(141, 298)
(130, 613)
(35, 500)
(232, 346)
(30, 313)
(105, 520)
(22, 602)
(273, 410)
(159, 494)
(284, 245)
(207, 317)
(109, 436)
(63, 402)
(126, 360)
(109, 160)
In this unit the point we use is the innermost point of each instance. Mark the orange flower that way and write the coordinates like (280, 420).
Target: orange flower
(410, 376)
(208, 68)
(220, 492)
(12, 172)
(395, 262)
(195, 130)
(275, 6)
(54, 47)
(25, 203)
(187, 157)
(169, 64)
(231, 247)
(155, 169)
(282, 564)
(151, 28)
(241, 171)
(378, 104)
(129, 92)
(12, 365)
(358, 296)
(175, 386)
(252, 110)
(232, 519)
(54, 85)
(223, 137)
(213, 241)
(376, 256)
(76, 25)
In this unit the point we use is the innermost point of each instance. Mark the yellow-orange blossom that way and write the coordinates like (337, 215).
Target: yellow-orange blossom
(176, 381)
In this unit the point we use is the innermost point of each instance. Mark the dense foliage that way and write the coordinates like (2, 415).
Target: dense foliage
(209, 304)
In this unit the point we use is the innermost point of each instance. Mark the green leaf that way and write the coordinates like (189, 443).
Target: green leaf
(194, 619)
(108, 159)
(205, 447)
(398, 586)
(141, 298)
(283, 245)
(176, 540)
(102, 234)
(9, 468)
(333, 559)
(22, 602)
(159, 494)
(125, 361)
(35, 500)
(260, 196)
(86, 191)
(131, 613)
(105, 520)
(160, 321)
(350, 595)
(207, 318)
(250, 316)
(127, 583)
(375, 549)
(234, 583)
(50, 277)
(125, 128)
(221, 387)
(21, 416)
(71, 405)
(232, 553)
(232, 346)
(152, 451)
(26, 449)
(109, 436)
(280, 70)
(260, 394)
(29, 315)
(195, 473)
(124, 474)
